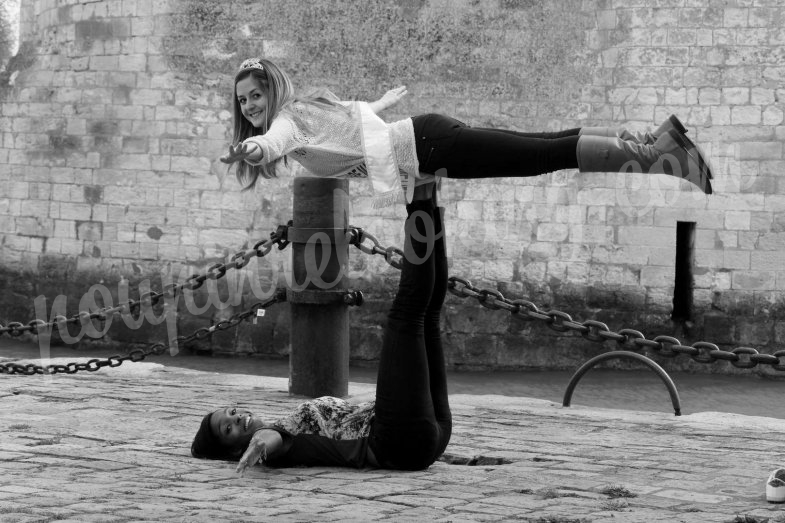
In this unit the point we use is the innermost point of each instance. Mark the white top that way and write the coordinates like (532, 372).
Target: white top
(330, 143)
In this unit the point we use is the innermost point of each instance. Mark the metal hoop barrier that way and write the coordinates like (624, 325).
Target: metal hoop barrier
(586, 367)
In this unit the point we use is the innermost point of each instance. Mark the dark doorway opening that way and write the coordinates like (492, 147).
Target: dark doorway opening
(685, 280)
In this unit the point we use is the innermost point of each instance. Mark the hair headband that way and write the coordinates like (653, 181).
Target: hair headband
(252, 63)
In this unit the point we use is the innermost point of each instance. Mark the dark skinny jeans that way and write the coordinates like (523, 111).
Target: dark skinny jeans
(413, 422)
(449, 148)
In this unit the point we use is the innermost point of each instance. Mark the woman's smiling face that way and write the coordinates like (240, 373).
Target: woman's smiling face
(252, 100)
(234, 426)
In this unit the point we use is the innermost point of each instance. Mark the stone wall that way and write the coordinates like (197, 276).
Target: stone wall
(113, 113)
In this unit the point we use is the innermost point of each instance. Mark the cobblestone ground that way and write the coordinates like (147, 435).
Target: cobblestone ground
(114, 446)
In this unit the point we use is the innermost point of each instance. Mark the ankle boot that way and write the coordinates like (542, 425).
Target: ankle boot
(672, 153)
(648, 138)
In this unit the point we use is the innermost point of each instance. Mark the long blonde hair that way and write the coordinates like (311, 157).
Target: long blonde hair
(278, 88)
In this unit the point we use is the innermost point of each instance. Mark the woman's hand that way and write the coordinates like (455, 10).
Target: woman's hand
(257, 449)
(263, 442)
(390, 98)
(242, 152)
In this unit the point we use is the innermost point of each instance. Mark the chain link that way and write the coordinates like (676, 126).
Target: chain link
(136, 355)
(595, 331)
(151, 298)
(626, 339)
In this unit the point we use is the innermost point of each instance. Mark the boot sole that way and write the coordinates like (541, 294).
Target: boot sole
(676, 123)
(693, 151)
(691, 146)
(672, 123)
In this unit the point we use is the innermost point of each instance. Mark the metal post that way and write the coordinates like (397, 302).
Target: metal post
(319, 359)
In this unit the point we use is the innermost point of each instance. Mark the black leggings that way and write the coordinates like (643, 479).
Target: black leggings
(449, 148)
(413, 423)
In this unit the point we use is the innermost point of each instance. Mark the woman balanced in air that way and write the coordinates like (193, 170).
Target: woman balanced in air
(337, 139)
(409, 424)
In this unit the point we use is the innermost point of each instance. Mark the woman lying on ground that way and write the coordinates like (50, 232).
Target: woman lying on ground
(409, 424)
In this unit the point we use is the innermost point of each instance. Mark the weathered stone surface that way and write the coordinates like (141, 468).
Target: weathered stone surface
(113, 115)
(114, 446)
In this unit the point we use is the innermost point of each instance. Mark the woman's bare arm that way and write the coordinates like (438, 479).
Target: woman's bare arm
(264, 443)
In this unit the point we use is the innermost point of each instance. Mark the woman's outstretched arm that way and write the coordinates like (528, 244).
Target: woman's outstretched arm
(264, 443)
(242, 152)
(390, 98)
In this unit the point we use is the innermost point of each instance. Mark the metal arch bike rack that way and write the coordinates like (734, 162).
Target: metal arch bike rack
(586, 367)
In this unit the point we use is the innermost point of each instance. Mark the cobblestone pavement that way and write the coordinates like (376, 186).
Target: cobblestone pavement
(114, 446)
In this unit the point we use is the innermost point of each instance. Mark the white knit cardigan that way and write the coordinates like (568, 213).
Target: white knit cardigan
(330, 143)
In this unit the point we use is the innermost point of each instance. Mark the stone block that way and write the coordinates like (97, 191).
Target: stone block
(658, 277)
(75, 211)
(773, 116)
(735, 95)
(123, 250)
(762, 96)
(737, 260)
(104, 63)
(16, 189)
(720, 115)
(189, 164)
(753, 280)
(90, 231)
(737, 220)
(65, 229)
(37, 208)
(223, 237)
(145, 214)
(552, 232)
(746, 115)
(767, 260)
(166, 112)
(152, 97)
(709, 258)
(726, 240)
(596, 196)
(650, 236)
(142, 26)
(771, 241)
(735, 17)
(126, 161)
(129, 8)
(760, 151)
(709, 96)
(755, 333)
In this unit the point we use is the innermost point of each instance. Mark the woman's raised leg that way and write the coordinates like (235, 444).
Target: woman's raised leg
(433, 335)
(405, 433)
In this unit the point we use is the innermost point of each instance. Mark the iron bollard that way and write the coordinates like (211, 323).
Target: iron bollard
(319, 358)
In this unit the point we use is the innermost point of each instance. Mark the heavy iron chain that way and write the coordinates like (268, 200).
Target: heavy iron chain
(237, 261)
(140, 354)
(357, 237)
(214, 272)
(626, 339)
